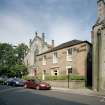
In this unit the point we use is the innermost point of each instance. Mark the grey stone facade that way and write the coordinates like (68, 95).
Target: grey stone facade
(98, 41)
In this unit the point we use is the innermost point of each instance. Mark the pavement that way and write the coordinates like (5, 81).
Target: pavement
(83, 91)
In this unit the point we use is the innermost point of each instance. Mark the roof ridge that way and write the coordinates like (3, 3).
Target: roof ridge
(65, 45)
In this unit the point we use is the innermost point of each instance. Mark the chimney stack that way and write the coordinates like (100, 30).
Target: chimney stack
(52, 43)
(30, 42)
(36, 33)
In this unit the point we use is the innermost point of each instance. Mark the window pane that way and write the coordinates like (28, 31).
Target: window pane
(70, 51)
(44, 60)
(55, 57)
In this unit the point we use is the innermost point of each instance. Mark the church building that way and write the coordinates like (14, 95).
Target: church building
(36, 46)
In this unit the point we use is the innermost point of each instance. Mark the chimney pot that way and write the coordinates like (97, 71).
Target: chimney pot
(36, 33)
(52, 43)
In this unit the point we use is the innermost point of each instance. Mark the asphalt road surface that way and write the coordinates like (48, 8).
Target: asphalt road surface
(21, 96)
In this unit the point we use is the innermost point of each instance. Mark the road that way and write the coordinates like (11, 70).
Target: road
(21, 96)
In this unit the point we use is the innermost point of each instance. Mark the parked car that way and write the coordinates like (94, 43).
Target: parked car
(15, 82)
(37, 84)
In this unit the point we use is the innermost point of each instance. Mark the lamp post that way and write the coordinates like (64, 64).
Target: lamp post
(69, 71)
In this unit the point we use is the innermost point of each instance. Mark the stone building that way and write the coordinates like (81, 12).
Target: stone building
(74, 56)
(36, 46)
(98, 41)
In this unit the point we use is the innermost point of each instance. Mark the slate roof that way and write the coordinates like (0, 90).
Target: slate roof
(65, 45)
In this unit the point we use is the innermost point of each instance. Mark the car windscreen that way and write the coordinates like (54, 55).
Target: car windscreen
(36, 81)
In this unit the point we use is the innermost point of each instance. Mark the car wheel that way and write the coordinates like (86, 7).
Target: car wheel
(37, 87)
(25, 86)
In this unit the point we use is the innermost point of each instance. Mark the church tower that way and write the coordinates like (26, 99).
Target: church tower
(98, 41)
(101, 10)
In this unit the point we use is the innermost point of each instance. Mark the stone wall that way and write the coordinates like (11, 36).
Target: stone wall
(64, 84)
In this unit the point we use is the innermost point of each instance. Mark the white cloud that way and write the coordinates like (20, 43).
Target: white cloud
(63, 30)
(14, 29)
(57, 18)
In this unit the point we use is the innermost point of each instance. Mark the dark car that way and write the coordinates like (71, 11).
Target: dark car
(37, 84)
(15, 82)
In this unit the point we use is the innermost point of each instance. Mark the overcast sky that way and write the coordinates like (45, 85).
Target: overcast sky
(61, 20)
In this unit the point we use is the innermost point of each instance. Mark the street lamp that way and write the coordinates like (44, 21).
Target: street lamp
(69, 71)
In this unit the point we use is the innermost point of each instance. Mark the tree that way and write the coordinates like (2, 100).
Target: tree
(20, 51)
(6, 53)
(19, 70)
(11, 59)
(6, 57)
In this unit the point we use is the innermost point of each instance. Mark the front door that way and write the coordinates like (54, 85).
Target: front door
(44, 73)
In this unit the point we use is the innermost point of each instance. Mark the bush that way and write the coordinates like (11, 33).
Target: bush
(30, 77)
(18, 70)
(55, 77)
(76, 77)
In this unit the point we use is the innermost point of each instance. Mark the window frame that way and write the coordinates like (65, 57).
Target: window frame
(44, 60)
(55, 57)
(69, 54)
(68, 67)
